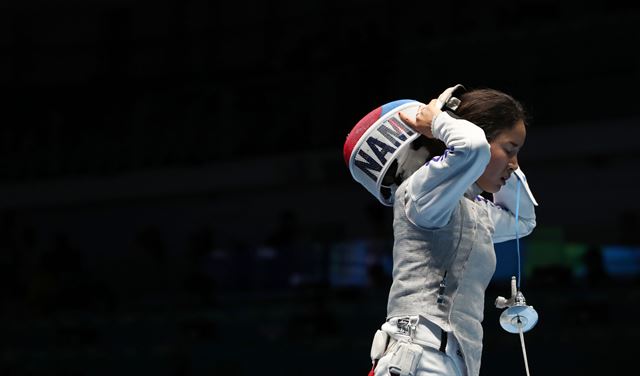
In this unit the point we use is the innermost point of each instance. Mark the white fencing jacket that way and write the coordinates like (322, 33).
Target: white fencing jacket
(444, 234)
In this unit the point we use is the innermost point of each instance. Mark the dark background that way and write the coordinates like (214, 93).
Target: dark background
(173, 199)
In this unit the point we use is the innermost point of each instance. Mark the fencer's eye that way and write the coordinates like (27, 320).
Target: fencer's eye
(510, 150)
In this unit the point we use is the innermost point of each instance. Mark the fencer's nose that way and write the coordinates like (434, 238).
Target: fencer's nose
(513, 164)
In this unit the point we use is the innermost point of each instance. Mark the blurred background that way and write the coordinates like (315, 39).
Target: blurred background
(174, 201)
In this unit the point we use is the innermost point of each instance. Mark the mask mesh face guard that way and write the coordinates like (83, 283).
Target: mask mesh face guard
(380, 145)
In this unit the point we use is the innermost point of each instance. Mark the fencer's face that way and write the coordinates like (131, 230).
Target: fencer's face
(504, 158)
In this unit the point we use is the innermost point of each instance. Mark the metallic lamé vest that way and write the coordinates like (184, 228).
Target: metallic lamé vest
(442, 274)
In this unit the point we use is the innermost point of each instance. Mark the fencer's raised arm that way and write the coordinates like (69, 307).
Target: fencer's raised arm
(502, 210)
(434, 190)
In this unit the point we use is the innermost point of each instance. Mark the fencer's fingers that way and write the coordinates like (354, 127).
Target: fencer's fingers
(424, 116)
(407, 120)
(420, 113)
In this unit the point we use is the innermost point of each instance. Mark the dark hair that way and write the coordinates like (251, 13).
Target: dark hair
(491, 110)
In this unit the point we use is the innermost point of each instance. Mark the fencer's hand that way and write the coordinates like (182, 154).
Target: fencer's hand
(424, 118)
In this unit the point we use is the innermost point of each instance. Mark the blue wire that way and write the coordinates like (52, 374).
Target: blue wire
(517, 236)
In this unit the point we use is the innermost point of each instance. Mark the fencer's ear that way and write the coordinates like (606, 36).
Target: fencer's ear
(449, 99)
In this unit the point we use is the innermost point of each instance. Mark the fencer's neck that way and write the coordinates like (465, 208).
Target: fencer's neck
(473, 191)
